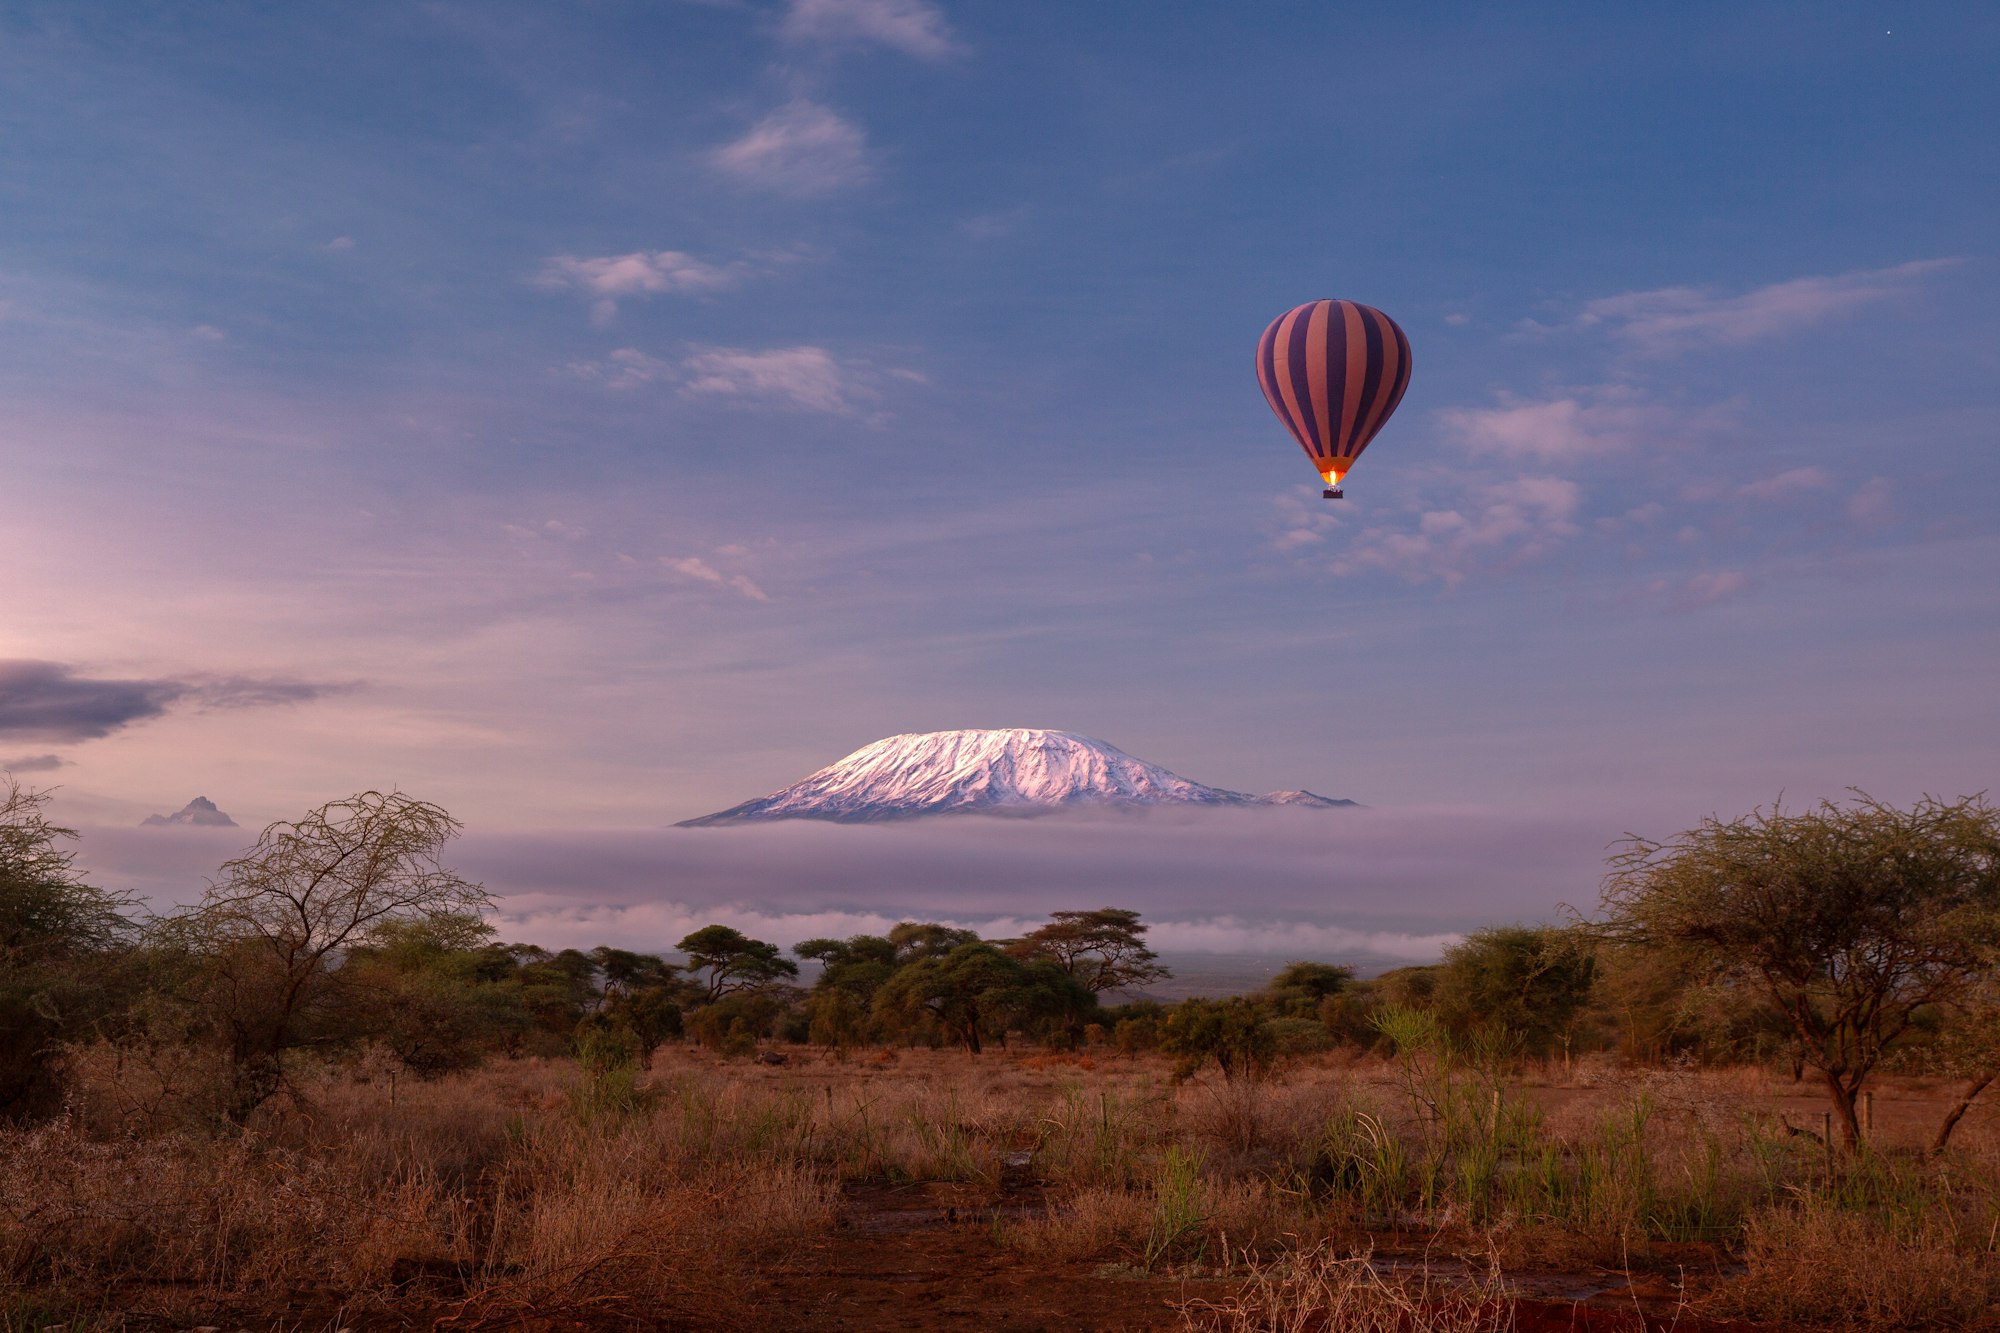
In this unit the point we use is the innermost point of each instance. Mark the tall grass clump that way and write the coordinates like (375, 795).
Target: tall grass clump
(608, 1074)
(1318, 1289)
(1174, 1227)
(1097, 1139)
(1815, 1262)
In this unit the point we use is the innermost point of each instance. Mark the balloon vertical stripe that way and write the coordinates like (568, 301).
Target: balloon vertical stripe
(1354, 367)
(1333, 372)
(1289, 362)
(1372, 378)
(1316, 373)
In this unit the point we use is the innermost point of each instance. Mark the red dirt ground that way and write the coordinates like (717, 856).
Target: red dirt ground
(904, 1259)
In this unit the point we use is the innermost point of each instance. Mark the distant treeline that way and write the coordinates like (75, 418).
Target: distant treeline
(1841, 941)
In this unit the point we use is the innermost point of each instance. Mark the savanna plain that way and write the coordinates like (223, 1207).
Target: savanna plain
(325, 1098)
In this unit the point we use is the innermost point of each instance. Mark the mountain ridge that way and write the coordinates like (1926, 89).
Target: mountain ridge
(1002, 771)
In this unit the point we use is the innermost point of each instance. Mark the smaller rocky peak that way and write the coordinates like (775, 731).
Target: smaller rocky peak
(200, 812)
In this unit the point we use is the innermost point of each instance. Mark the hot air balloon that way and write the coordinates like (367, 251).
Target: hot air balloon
(1333, 371)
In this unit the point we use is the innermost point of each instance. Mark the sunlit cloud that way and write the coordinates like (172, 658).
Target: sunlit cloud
(1578, 425)
(914, 27)
(607, 279)
(802, 148)
(809, 379)
(700, 571)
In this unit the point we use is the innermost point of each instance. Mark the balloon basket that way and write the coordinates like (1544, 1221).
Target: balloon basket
(1333, 493)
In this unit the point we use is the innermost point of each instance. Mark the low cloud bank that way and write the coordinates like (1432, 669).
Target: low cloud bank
(1372, 886)
(1387, 885)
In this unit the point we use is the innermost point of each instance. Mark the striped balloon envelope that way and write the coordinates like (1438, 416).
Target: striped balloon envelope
(1333, 371)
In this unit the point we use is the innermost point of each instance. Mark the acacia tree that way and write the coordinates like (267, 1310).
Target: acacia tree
(427, 990)
(851, 971)
(1302, 988)
(914, 941)
(1969, 1046)
(56, 932)
(1531, 981)
(1848, 919)
(733, 961)
(1103, 949)
(959, 991)
(857, 965)
(1231, 1032)
(263, 945)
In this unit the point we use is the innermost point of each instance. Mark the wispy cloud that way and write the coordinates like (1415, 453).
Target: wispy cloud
(1503, 525)
(795, 379)
(32, 763)
(258, 691)
(607, 279)
(1577, 425)
(1669, 319)
(992, 226)
(802, 148)
(700, 571)
(1785, 485)
(626, 368)
(914, 27)
(1703, 589)
(1874, 504)
(1302, 520)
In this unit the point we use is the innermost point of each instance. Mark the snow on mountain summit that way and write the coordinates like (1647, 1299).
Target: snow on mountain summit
(1010, 771)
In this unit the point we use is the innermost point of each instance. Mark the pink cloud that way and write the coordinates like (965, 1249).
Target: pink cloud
(1785, 485)
(911, 26)
(801, 148)
(609, 278)
(1505, 524)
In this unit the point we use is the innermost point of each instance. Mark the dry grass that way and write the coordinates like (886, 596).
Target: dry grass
(1317, 1289)
(515, 1187)
(479, 1195)
(1814, 1264)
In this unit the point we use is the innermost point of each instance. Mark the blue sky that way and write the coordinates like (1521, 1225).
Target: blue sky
(592, 415)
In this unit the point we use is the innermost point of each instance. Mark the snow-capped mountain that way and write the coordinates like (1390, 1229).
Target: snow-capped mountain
(1012, 771)
(200, 811)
